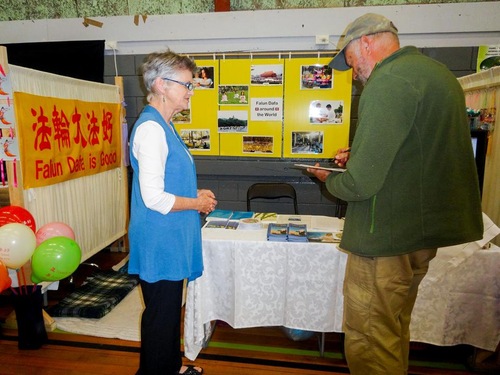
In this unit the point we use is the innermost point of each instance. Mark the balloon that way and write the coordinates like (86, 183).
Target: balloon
(297, 334)
(55, 229)
(17, 244)
(54, 259)
(16, 214)
(5, 280)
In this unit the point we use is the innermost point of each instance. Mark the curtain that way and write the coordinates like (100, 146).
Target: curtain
(482, 92)
(95, 207)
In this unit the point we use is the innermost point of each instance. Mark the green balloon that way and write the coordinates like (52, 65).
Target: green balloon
(54, 259)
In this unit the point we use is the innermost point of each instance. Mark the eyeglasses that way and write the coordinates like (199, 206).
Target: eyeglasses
(188, 85)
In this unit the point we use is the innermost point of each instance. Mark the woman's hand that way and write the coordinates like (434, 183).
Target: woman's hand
(206, 201)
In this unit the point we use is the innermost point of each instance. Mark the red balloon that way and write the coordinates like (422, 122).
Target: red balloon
(5, 280)
(16, 214)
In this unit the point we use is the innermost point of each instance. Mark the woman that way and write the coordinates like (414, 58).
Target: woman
(164, 231)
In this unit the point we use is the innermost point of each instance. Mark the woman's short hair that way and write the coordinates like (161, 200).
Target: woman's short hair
(166, 65)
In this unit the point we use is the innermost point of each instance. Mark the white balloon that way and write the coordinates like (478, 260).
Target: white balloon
(17, 244)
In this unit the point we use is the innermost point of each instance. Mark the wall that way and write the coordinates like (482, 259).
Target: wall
(430, 25)
(49, 9)
(447, 32)
(229, 177)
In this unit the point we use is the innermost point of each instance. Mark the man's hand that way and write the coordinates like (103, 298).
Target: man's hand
(342, 156)
(320, 174)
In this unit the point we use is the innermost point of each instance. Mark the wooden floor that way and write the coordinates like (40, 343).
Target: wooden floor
(254, 351)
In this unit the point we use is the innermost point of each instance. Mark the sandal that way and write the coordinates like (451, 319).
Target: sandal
(191, 371)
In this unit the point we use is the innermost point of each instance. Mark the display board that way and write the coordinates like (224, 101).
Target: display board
(317, 108)
(197, 125)
(267, 107)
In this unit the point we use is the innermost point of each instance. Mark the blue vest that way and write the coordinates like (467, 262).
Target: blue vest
(165, 247)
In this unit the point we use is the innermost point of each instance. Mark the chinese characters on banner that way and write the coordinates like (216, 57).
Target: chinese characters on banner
(63, 139)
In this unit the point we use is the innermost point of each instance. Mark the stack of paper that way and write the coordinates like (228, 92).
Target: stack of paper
(297, 232)
(277, 232)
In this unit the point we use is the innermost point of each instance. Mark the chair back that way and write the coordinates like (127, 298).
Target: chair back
(272, 190)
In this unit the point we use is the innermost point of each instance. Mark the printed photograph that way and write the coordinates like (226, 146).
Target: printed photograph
(307, 142)
(266, 74)
(232, 121)
(183, 117)
(233, 94)
(326, 112)
(196, 139)
(204, 78)
(316, 77)
(258, 144)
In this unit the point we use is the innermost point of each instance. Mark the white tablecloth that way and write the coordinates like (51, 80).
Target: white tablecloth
(251, 282)
(459, 299)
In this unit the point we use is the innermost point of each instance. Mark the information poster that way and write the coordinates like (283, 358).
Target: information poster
(250, 100)
(272, 107)
(197, 126)
(317, 108)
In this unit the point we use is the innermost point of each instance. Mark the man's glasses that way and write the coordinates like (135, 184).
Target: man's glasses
(188, 85)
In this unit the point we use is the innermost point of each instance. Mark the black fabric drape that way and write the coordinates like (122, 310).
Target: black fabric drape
(76, 59)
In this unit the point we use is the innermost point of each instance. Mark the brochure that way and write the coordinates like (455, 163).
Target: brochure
(228, 214)
(297, 232)
(266, 217)
(277, 232)
(326, 237)
(222, 224)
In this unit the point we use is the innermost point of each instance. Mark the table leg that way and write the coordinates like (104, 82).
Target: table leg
(321, 340)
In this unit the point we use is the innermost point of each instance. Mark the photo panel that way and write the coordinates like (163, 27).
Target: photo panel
(196, 139)
(232, 121)
(266, 74)
(204, 78)
(312, 104)
(304, 142)
(183, 117)
(316, 77)
(201, 118)
(233, 94)
(261, 80)
(258, 144)
(326, 112)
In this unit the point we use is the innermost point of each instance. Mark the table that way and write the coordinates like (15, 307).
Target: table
(251, 282)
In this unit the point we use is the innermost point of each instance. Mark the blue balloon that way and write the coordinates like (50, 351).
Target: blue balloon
(297, 334)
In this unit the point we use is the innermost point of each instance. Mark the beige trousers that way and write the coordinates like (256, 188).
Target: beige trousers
(379, 295)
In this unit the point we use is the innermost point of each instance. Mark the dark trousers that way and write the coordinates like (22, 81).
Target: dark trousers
(161, 328)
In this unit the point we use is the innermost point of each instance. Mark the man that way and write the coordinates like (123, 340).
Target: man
(411, 187)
